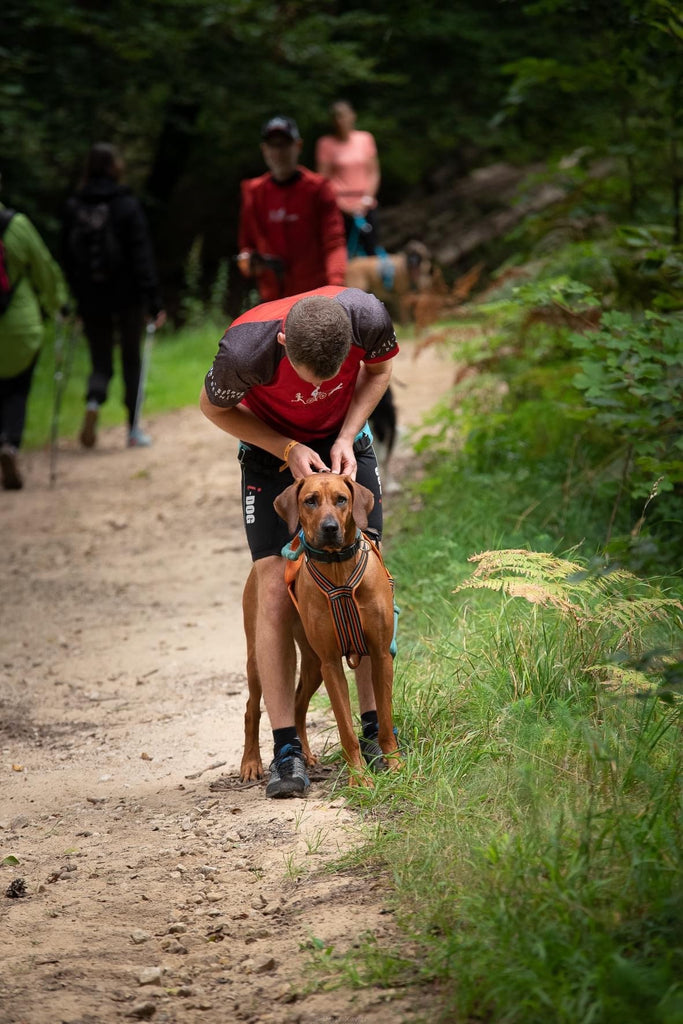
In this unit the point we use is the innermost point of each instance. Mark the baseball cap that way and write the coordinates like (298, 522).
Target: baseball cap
(284, 125)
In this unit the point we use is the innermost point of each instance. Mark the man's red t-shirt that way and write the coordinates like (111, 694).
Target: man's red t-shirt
(299, 222)
(252, 367)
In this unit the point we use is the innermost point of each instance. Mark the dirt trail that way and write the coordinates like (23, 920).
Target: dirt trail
(150, 894)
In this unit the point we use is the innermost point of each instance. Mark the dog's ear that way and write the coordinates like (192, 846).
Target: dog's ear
(363, 501)
(287, 505)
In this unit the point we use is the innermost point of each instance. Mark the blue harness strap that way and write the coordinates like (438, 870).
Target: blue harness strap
(360, 227)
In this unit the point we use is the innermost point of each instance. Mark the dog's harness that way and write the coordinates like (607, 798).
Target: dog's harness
(342, 600)
(386, 268)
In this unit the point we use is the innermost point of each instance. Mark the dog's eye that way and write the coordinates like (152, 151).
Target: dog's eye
(342, 499)
(311, 501)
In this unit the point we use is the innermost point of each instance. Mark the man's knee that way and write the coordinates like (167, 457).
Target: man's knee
(272, 594)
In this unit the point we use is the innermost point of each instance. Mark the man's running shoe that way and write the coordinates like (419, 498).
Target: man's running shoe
(288, 774)
(372, 752)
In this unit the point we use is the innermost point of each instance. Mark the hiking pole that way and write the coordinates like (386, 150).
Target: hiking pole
(63, 363)
(144, 370)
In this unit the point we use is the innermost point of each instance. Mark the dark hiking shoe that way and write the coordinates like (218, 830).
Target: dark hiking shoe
(372, 752)
(11, 477)
(288, 774)
(88, 435)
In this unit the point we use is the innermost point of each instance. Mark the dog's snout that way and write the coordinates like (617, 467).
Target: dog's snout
(329, 533)
(329, 526)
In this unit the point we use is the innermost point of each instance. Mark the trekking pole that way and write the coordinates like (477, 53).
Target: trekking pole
(144, 370)
(63, 362)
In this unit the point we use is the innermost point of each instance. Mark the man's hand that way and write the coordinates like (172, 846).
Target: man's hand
(303, 461)
(343, 458)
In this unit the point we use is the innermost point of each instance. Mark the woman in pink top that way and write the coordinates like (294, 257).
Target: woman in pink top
(349, 159)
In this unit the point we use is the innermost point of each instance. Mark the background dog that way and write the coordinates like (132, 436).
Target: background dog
(393, 276)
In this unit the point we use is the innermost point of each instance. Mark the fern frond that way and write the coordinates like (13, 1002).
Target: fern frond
(534, 593)
(615, 599)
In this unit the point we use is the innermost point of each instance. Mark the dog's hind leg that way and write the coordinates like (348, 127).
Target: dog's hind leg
(251, 767)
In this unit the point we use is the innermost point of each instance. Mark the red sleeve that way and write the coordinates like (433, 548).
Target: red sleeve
(334, 237)
(246, 238)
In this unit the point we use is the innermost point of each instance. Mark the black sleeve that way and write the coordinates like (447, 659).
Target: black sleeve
(372, 327)
(248, 355)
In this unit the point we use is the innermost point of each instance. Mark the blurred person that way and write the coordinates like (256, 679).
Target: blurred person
(31, 290)
(109, 264)
(291, 234)
(348, 158)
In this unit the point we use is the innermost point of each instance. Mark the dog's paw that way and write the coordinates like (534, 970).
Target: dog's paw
(251, 771)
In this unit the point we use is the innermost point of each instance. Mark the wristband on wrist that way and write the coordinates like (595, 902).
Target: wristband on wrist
(285, 456)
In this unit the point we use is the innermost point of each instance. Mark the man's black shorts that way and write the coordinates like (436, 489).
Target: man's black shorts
(262, 481)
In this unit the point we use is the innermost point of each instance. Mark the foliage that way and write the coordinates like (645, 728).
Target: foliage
(631, 373)
(183, 88)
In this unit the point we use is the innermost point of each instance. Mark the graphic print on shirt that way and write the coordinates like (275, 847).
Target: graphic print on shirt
(280, 216)
(316, 395)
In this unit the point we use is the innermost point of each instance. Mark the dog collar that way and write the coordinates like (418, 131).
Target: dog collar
(342, 555)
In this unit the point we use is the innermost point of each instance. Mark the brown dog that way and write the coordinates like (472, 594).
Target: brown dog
(394, 277)
(332, 510)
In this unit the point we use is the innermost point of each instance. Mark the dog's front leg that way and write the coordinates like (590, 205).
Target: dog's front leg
(338, 692)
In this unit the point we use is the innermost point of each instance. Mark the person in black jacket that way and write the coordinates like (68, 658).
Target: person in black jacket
(109, 264)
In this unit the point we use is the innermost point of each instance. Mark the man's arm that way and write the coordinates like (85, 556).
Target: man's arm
(373, 380)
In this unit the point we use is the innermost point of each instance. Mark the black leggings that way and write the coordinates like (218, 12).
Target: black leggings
(101, 330)
(14, 392)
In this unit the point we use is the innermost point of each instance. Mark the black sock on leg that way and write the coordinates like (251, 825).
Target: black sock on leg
(370, 723)
(281, 737)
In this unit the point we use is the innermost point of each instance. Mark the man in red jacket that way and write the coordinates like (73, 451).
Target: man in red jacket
(291, 233)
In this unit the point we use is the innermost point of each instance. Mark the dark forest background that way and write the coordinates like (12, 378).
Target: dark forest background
(184, 85)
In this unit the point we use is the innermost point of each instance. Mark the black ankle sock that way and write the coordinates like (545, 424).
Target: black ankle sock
(370, 724)
(281, 737)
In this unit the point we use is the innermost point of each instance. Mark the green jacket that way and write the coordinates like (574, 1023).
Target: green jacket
(39, 293)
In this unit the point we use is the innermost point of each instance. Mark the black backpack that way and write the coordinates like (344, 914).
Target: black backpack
(94, 246)
(6, 286)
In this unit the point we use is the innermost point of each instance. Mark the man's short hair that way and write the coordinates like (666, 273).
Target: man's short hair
(318, 335)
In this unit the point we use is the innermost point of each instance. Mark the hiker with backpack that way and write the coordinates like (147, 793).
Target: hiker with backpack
(109, 263)
(31, 290)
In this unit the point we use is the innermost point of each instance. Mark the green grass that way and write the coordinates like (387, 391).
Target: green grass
(178, 365)
(533, 843)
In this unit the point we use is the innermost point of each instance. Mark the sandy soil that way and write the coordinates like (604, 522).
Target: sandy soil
(156, 886)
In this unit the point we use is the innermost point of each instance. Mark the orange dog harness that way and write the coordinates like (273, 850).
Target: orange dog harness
(341, 599)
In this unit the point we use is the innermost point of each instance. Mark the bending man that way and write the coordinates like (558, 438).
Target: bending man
(295, 381)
